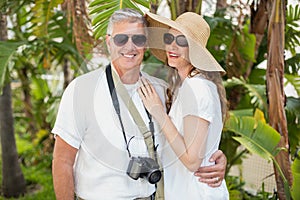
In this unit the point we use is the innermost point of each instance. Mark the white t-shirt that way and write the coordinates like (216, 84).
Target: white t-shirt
(87, 121)
(198, 97)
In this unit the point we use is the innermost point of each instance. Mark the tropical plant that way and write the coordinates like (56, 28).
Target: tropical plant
(39, 47)
(239, 48)
(13, 182)
(47, 40)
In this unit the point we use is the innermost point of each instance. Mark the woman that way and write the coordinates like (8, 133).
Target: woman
(194, 125)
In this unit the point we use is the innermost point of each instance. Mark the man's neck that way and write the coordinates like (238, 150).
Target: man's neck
(128, 76)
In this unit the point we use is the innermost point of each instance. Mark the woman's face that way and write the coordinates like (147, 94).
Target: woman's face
(178, 55)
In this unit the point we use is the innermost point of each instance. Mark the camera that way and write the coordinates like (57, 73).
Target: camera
(144, 167)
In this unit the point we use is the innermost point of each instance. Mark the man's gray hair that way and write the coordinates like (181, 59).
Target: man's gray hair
(125, 15)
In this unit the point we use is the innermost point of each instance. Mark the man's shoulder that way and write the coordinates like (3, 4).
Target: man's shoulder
(91, 75)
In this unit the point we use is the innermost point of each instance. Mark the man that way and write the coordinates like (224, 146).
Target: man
(94, 143)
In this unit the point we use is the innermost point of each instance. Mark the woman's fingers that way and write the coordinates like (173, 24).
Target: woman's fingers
(146, 87)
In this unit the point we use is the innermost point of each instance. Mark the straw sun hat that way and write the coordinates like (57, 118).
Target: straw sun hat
(196, 31)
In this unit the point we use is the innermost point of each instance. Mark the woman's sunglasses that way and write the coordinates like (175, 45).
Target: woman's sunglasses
(180, 39)
(122, 39)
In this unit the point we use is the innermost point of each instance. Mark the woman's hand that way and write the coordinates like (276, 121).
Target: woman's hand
(150, 98)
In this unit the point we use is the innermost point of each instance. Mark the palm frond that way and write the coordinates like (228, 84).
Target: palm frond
(7, 50)
(292, 109)
(101, 10)
(43, 11)
(292, 33)
(255, 91)
(294, 80)
(292, 65)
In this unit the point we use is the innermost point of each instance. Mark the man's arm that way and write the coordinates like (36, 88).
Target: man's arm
(214, 174)
(62, 169)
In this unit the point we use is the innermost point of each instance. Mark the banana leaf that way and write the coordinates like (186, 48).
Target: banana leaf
(296, 175)
(258, 137)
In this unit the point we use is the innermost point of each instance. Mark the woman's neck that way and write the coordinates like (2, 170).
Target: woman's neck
(184, 71)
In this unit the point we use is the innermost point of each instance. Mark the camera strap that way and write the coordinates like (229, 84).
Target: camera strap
(117, 87)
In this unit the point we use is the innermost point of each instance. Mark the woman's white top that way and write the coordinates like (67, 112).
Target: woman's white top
(198, 97)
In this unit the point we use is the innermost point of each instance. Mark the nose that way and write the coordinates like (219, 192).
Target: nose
(130, 44)
(173, 45)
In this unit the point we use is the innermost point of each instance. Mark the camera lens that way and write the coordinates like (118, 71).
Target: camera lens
(154, 177)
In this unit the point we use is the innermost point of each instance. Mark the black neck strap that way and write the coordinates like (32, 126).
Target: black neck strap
(116, 105)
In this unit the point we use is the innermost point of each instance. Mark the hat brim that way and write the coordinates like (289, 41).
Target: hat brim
(199, 56)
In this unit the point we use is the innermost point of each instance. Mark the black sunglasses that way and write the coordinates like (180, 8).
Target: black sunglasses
(122, 39)
(180, 39)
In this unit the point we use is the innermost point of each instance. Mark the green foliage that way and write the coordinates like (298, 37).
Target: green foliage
(257, 136)
(221, 36)
(243, 49)
(43, 12)
(292, 64)
(7, 50)
(101, 10)
(255, 91)
(36, 168)
(292, 33)
(235, 187)
(296, 176)
(294, 80)
(233, 46)
(237, 192)
(293, 115)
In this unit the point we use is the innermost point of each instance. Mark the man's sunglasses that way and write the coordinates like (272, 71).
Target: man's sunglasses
(180, 39)
(122, 39)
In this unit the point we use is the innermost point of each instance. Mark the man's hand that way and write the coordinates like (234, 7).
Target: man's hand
(214, 174)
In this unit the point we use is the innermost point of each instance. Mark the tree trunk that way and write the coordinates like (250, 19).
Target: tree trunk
(221, 4)
(259, 18)
(67, 75)
(13, 182)
(275, 92)
(178, 7)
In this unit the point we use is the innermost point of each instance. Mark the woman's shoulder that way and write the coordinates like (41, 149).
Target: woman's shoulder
(197, 82)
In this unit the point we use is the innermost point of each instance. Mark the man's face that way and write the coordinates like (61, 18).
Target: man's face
(126, 56)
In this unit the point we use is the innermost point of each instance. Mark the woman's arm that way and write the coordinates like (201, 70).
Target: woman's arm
(189, 148)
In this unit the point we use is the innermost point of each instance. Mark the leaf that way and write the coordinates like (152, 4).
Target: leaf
(292, 65)
(257, 136)
(255, 91)
(101, 10)
(7, 50)
(145, 3)
(294, 80)
(292, 33)
(259, 115)
(43, 11)
(296, 177)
